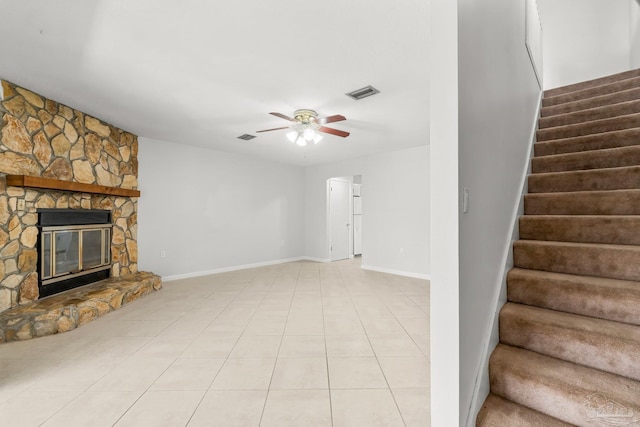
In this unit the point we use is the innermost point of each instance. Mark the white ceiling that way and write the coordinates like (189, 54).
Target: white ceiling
(203, 72)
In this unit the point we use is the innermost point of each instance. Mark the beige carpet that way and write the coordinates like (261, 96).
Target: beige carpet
(569, 351)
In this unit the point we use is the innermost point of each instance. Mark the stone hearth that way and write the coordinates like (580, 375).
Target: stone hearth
(68, 310)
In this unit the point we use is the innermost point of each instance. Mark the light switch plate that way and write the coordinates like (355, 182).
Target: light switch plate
(465, 200)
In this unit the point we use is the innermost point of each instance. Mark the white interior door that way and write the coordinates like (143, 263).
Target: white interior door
(339, 219)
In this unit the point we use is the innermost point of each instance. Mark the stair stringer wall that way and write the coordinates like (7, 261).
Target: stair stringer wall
(491, 339)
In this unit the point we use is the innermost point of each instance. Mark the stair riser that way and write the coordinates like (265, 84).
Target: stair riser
(625, 202)
(607, 112)
(589, 128)
(607, 89)
(625, 138)
(595, 343)
(562, 390)
(592, 83)
(599, 159)
(581, 229)
(586, 104)
(591, 180)
(613, 300)
(615, 262)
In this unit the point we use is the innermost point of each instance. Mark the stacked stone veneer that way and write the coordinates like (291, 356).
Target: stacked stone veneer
(40, 137)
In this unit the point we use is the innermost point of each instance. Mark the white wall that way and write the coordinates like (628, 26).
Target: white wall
(444, 306)
(583, 39)
(211, 210)
(395, 205)
(498, 105)
(634, 32)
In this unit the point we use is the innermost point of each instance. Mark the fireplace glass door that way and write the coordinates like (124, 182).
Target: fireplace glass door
(74, 250)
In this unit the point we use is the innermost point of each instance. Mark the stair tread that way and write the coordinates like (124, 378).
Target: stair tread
(609, 202)
(612, 139)
(585, 104)
(587, 160)
(616, 178)
(597, 343)
(587, 171)
(590, 114)
(592, 92)
(592, 127)
(590, 259)
(632, 248)
(614, 229)
(499, 412)
(561, 389)
(601, 297)
(592, 83)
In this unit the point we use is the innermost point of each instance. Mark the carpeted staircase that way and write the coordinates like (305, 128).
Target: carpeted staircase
(569, 351)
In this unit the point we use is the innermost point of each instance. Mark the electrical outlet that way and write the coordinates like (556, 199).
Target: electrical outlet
(163, 254)
(21, 204)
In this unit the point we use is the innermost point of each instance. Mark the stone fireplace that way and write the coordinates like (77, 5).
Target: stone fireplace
(53, 157)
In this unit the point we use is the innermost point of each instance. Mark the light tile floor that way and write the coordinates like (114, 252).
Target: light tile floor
(297, 344)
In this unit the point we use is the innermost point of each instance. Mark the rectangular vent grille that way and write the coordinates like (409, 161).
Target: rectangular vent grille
(246, 137)
(363, 93)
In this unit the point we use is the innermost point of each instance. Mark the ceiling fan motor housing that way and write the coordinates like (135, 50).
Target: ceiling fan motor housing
(306, 117)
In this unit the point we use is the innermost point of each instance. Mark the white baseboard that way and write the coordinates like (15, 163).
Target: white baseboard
(397, 272)
(283, 261)
(310, 258)
(227, 269)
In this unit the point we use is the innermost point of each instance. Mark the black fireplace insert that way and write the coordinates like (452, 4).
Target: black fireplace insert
(74, 248)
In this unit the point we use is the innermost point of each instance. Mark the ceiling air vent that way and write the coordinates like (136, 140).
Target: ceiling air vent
(246, 137)
(363, 93)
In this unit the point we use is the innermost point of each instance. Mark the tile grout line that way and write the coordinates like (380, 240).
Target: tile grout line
(376, 355)
(264, 406)
(326, 352)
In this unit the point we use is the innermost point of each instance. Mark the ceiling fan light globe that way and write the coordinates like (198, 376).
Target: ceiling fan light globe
(309, 134)
(292, 136)
(317, 138)
(301, 142)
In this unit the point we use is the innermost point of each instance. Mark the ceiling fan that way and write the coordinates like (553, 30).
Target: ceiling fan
(307, 124)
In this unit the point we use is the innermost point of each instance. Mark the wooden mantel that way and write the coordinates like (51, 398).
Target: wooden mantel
(78, 187)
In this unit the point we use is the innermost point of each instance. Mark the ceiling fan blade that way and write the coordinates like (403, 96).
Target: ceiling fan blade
(333, 131)
(331, 119)
(282, 116)
(269, 130)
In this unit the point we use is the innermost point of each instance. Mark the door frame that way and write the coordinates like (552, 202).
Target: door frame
(349, 201)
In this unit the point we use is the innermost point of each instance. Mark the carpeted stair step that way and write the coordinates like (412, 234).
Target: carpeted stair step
(598, 297)
(612, 202)
(586, 104)
(572, 393)
(628, 121)
(620, 138)
(596, 343)
(591, 83)
(587, 180)
(499, 412)
(593, 92)
(587, 259)
(608, 229)
(585, 160)
(598, 113)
